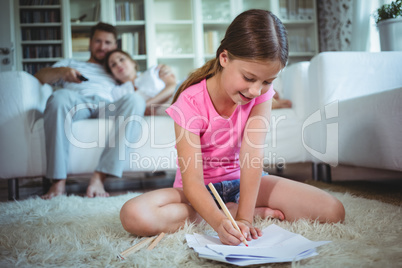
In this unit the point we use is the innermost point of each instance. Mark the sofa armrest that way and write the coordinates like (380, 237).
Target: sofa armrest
(22, 102)
(22, 97)
(338, 76)
(370, 130)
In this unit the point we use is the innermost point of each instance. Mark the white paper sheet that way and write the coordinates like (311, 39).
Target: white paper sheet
(276, 245)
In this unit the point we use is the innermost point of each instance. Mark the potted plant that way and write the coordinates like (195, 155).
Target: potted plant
(389, 22)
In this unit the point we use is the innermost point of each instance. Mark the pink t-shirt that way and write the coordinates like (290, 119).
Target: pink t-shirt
(220, 137)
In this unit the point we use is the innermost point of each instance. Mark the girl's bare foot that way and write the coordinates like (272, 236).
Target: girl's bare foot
(281, 103)
(96, 187)
(58, 188)
(263, 212)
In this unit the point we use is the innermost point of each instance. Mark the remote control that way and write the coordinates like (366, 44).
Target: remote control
(82, 78)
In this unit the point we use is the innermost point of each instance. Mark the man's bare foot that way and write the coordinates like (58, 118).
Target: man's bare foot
(95, 187)
(58, 188)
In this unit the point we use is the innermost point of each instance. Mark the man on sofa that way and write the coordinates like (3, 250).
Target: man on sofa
(87, 93)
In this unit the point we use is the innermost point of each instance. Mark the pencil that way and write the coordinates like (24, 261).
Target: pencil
(156, 241)
(136, 247)
(225, 210)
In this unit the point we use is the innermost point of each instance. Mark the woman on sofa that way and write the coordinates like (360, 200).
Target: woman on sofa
(156, 85)
(124, 69)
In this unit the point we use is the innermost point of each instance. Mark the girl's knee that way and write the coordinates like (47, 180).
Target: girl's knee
(336, 211)
(135, 219)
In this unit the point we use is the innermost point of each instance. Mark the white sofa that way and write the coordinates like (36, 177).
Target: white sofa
(347, 111)
(22, 142)
(358, 94)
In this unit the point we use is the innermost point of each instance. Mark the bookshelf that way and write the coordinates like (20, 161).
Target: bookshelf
(181, 33)
(186, 33)
(216, 17)
(40, 37)
(82, 16)
(298, 16)
(128, 17)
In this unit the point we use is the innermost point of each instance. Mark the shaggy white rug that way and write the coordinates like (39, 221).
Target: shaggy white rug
(81, 232)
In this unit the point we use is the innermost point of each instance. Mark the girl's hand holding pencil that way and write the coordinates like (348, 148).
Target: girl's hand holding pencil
(230, 229)
(229, 235)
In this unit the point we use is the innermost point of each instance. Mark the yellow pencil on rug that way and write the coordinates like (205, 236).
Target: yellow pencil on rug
(225, 209)
(141, 244)
(156, 241)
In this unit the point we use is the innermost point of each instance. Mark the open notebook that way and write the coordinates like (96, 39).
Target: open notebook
(276, 245)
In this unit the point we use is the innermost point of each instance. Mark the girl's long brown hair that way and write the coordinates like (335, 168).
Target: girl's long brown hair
(253, 35)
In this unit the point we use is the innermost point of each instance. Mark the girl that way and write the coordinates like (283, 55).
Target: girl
(124, 69)
(221, 115)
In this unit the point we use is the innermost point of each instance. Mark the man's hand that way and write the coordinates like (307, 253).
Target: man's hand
(70, 75)
(52, 75)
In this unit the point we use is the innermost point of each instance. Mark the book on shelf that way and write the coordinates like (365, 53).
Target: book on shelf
(129, 43)
(211, 41)
(293, 9)
(80, 42)
(141, 43)
(41, 51)
(132, 42)
(129, 11)
(296, 9)
(301, 11)
(40, 16)
(283, 9)
(39, 2)
(300, 43)
(309, 9)
(96, 15)
(32, 68)
(51, 33)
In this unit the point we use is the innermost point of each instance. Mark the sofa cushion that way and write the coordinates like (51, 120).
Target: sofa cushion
(154, 151)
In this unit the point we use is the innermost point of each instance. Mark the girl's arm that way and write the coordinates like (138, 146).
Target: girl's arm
(167, 76)
(191, 167)
(251, 159)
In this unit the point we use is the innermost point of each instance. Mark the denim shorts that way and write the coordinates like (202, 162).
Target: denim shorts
(229, 191)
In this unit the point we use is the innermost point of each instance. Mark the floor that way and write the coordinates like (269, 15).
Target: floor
(371, 183)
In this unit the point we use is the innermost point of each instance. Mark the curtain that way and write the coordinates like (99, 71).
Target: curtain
(335, 24)
(348, 25)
